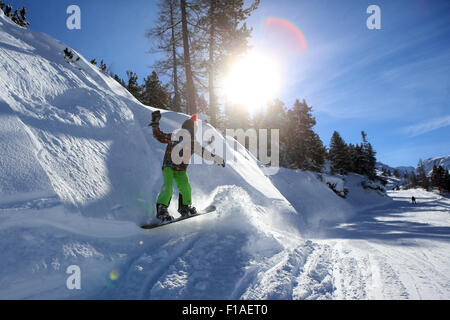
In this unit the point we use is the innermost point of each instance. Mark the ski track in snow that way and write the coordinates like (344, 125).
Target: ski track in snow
(194, 263)
(413, 267)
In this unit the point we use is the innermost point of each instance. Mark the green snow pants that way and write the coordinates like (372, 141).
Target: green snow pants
(182, 182)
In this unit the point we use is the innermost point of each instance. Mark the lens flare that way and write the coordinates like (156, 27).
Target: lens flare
(114, 275)
(285, 35)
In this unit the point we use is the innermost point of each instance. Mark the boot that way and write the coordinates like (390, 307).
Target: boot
(162, 213)
(185, 210)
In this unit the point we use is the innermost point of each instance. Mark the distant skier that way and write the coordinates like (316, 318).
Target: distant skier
(413, 200)
(172, 171)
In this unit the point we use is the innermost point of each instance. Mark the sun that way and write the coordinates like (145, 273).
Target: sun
(252, 81)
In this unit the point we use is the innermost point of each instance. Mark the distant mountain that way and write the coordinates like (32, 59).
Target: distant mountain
(402, 169)
(443, 161)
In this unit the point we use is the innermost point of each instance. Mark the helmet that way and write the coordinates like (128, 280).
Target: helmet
(190, 124)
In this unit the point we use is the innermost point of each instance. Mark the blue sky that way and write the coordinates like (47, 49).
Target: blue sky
(393, 83)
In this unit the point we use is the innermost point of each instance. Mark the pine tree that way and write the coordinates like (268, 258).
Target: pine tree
(8, 10)
(439, 177)
(18, 17)
(68, 55)
(223, 34)
(422, 179)
(119, 80)
(103, 66)
(202, 104)
(23, 12)
(239, 117)
(353, 155)
(317, 153)
(197, 39)
(132, 86)
(435, 176)
(446, 182)
(413, 180)
(154, 93)
(368, 159)
(339, 154)
(22, 18)
(304, 149)
(396, 173)
(405, 179)
(274, 118)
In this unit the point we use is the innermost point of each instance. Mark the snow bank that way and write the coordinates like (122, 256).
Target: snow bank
(310, 194)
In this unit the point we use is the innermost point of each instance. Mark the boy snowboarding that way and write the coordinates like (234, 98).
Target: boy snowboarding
(174, 171)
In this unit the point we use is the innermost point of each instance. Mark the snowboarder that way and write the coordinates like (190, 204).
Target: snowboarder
(413, 200)
(172, 171)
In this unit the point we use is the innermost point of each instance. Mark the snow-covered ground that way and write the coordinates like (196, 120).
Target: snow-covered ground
(80, 170)
(395, 251)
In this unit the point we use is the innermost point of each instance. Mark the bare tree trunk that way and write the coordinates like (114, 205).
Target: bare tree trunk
(176, 90)
(191, 105)
(212, 97)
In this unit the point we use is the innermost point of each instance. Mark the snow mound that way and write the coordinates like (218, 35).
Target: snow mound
(78, 135)
(311, 194)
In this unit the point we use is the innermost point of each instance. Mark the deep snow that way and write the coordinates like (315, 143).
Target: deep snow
(80, 169)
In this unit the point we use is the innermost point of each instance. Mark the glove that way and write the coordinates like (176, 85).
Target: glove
(156, 116)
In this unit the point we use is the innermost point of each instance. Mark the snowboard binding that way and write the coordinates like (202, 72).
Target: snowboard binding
(162, 213)
(185, 210)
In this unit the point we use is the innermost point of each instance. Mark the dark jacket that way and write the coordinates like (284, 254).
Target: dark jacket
(167, 162)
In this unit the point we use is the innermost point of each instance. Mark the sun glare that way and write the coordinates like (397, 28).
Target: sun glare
(252, 81)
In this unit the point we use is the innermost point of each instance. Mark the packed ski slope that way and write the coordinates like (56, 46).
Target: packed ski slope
(79, 172)
(395, 251)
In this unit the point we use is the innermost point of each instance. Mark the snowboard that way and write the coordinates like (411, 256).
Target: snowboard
(208, 209)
